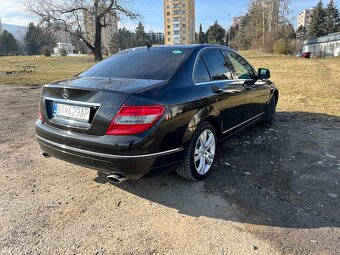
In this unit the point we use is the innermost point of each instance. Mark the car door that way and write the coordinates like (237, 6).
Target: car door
(256, 91)
(219, 88)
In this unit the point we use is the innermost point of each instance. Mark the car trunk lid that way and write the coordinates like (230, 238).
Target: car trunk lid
(85, 104)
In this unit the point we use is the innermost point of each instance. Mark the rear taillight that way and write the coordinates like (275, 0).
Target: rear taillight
(131, 120)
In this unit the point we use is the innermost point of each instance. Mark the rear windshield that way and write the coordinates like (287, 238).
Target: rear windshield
(154, 64)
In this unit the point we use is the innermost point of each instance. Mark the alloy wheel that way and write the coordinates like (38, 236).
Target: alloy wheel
(204, 154)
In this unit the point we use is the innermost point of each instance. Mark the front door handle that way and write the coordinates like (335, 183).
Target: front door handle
(248, 84)
(232, 91)
(216, 90)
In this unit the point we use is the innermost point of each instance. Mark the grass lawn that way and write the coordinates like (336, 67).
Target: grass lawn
(306, 85)
(32, 70)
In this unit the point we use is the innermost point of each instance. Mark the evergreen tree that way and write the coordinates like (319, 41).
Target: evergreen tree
(243, 38)
(122, 40)
(114, 44)
(318, 23)
(37, 40)
(333, 17)
(141, 36)
(201, 36)
(31, 40)
(8, 44)
(216, 34)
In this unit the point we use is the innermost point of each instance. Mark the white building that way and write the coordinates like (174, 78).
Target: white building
(66, 46)
(305, 18)
(325, 46)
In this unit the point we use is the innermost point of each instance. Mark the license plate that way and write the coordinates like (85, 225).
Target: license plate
(72, 111)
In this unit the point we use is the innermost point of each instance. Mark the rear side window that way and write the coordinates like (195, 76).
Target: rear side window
(217, 65)
(154, 64)
(201, 72)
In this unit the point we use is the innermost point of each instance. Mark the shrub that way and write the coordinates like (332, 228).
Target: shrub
(47, 53)
(63, 53)
(280, 47)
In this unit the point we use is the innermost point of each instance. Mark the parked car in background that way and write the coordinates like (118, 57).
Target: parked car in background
(303, 55)
(306, 55)
(145, 109)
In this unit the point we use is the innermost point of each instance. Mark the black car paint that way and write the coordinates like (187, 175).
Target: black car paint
(233, 107)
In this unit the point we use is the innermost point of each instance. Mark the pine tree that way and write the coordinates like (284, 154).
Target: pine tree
(216, 34)
(31, 40)
(8, 44)
(201, 36)
(36, 39)
(318, 23)
(114, 44)
(140, 35)
(333, 18)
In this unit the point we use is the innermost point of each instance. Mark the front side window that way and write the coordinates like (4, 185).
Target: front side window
(201, 73)
(140, 63)
(242, 68)
(217, 65)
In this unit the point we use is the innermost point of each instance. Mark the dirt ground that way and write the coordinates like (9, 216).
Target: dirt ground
(273, 191)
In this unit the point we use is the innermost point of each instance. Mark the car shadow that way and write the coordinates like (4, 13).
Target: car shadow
(286, 176)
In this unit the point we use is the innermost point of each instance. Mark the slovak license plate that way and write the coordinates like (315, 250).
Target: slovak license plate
(72, 111)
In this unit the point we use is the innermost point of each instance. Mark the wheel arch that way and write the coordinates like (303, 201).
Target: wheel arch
(215, 122)
(206, 114)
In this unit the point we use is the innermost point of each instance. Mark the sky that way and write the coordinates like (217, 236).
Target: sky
(151, 11)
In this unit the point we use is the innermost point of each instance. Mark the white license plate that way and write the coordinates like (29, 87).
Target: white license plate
(72, 111)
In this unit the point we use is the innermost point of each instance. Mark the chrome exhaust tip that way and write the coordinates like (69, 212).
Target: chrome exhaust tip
(45, 155)
(116, 178)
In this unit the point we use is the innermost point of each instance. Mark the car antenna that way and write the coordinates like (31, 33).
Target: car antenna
(148, 45)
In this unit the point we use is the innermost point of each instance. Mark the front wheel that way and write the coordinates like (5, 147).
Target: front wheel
(200, 155)
(270, 112)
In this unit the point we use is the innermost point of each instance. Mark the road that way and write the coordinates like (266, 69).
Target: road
(273, 191)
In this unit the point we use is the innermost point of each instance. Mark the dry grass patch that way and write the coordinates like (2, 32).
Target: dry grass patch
(306, 85)
(31, 70)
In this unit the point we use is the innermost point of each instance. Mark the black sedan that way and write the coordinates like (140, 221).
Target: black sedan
(146, 109)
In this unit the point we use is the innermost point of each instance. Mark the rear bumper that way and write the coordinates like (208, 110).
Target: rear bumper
(133, 165)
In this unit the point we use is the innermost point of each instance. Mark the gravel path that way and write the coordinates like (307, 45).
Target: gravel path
(273, 191)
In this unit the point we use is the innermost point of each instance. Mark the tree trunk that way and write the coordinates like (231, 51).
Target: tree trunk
(97, 42)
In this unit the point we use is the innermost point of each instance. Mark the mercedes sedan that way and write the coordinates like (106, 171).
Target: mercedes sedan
(145, 109)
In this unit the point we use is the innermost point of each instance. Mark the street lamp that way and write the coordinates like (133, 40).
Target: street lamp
(229, 29)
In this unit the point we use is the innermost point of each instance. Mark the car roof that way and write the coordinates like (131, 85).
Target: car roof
(193, 46)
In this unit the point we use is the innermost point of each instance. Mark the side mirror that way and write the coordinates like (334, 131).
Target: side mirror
(263, 73)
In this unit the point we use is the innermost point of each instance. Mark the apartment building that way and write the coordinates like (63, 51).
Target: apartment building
(107, 32)
(237, 21)
(305, 18)
(179, 20)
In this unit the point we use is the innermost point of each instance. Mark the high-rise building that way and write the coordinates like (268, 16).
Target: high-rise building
(179, 20)
(237, 21)
(1, 31)
(107, 32)
(305, 18)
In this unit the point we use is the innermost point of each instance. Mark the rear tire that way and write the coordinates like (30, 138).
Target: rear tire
(200, 155)
(270, 112)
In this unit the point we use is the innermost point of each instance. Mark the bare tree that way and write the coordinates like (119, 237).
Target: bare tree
(70, 16)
